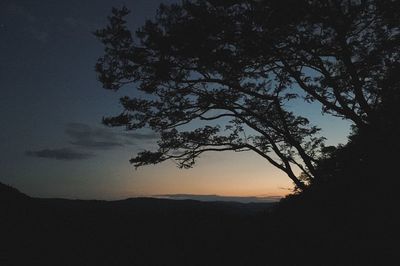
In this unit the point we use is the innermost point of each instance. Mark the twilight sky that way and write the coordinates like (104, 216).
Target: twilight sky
(51, 104)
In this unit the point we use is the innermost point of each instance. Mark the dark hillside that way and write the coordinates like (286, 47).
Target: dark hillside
(10, 193)
(140, 231)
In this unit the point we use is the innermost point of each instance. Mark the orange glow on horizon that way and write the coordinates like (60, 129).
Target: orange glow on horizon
(223, 174)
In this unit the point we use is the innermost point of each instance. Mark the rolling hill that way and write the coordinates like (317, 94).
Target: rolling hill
(136, 231)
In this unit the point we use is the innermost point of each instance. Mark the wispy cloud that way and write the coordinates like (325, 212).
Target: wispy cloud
(85, 140)
(66, 154)
(90, 137)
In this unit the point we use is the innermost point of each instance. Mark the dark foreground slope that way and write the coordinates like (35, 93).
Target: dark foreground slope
(139, 231)
(317, 227)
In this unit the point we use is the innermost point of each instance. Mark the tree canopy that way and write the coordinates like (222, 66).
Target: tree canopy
(218, 75)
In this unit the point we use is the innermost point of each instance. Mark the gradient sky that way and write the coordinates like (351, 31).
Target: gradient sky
(52, 140)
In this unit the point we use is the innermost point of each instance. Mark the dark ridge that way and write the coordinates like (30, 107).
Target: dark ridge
(8, 192)
(135, 231)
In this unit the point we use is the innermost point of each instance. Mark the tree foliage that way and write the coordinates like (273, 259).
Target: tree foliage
(218, 75)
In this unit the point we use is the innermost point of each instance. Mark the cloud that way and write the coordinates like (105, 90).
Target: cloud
(85, 136)
(85, 139)
(89, 137)
(66, 154)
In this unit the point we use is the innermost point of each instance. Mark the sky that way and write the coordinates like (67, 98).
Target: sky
(52, 141)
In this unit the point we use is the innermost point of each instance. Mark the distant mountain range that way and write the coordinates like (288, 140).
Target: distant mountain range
(265, 199)
(7, 191)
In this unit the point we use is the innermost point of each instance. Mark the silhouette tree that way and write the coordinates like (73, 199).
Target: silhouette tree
(238, 63)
